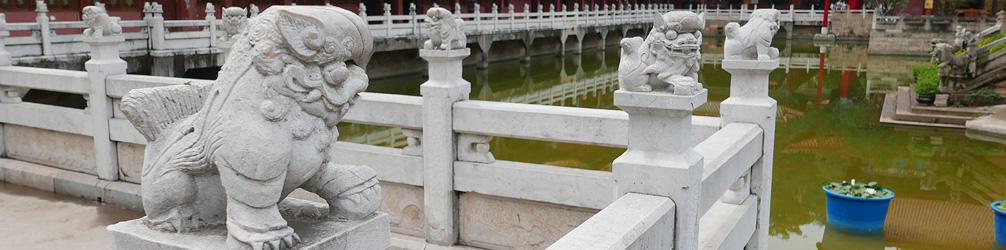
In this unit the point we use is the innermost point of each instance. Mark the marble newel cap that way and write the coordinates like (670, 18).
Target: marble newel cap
(659, 100)
(447, 54)
(729, 64)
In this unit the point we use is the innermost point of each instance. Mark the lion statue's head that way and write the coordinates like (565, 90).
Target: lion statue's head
(308, 54)
(235, 15)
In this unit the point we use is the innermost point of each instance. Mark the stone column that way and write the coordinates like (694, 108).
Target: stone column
(155, 25)
(444, 87)
(749, 103)
(104, 62)
(660, 159)
(4, 61)
(211, 18)
(43, 24)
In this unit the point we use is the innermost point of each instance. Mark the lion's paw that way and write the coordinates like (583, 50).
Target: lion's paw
(277, 239)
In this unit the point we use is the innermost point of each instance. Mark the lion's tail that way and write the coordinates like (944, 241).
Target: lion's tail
(151, 110)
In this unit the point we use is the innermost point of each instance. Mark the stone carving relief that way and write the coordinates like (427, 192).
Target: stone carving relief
(475, 148)
(753, 41)
(445, 31)
(253, 10)
(99, 23)
(234, 21)
(944, 53)
(228, 153)
(668, 59)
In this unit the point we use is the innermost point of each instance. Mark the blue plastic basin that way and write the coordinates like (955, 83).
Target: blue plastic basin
(854, 213)
(1000, 224)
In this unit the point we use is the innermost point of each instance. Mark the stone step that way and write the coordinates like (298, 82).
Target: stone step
(904, 112)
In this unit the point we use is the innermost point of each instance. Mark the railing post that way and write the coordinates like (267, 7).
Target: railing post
(444, 87)
(4, 61)
(875, 19)
(496, 16)
(43, 23)
(564, 13)
(749, 102)
(527, 16)
(660, 159)
(413, 21)
(511, 16)
(387, 19)
(551, 9)
(812, 13)
(155, 24)
(104, 62)
(211, 18)
(363, 12)
(792, 16)
(4, 55)
(253, 11)
(478, 18)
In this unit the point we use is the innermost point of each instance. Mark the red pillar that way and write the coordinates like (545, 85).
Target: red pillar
(845, 84)
(820, 77)
(827, 6)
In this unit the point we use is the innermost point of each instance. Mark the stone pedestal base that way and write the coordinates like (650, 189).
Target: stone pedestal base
(372, 232)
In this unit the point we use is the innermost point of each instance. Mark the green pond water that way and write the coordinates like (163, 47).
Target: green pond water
(827, 131)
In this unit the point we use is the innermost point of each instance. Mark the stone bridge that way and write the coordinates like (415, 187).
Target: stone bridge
(686, 182)
(170, 47)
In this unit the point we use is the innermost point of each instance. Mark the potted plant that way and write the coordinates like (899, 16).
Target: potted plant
(999, 208)
(927, 83)
(857, 206)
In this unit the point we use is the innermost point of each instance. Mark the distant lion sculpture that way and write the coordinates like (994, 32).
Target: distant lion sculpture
(444, 30)
(99, 23)
(753, 41)
(229, 152)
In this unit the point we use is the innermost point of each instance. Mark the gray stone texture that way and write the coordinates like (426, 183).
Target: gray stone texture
(369, 233)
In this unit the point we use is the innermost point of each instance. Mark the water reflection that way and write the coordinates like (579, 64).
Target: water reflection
(827, 129)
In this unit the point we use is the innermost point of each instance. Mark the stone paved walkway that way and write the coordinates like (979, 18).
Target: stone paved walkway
(36, 219)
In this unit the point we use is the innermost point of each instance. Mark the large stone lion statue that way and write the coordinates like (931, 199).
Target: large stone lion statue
(229, 152)
(753, 41)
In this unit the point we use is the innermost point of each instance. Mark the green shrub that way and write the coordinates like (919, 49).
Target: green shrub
(957, 105)
(991, 39)
(861, 190)
(997, 48)
(986, 94)
(927, 79)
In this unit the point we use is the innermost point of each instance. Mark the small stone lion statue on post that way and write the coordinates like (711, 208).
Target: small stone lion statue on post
(445, 31)
(99, 23)
(234, 21)
(668, 59)
(753, 41)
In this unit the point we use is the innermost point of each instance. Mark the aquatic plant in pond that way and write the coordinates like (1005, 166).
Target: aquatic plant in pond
(862, 190)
